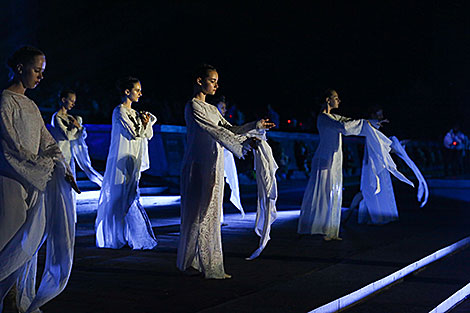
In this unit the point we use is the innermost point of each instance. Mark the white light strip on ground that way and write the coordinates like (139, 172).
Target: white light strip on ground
(87, 201)
(341, 303)
(452, 300)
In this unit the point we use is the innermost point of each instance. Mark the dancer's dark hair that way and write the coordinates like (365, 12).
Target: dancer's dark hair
(328, 93)
(203, 71)
(65, 93)
(23, 55)
(126, 83)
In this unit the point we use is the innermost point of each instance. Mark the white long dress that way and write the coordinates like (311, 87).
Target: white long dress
(121, 218)
(35, 205)
(202, 183)
(379, 206)
(321, 205)
(71, 141)
(376, 207)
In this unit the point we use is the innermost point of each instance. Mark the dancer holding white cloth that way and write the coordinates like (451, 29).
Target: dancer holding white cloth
(200, 243)
(121, 219)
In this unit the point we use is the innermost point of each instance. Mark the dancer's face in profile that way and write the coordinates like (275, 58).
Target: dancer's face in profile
(333, 101)
(31, 73)
(69, 101)
(135, 93)
(222, 108)
(209, 83)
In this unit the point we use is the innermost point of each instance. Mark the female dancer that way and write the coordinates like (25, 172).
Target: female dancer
(70, 135)
(121, 218)
(202, 177)
(380, 207)
(321, 205)
(35, 200)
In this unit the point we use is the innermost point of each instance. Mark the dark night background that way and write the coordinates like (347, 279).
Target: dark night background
(411, 57)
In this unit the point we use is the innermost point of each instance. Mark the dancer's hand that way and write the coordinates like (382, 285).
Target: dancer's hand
(75, 122)
(265, 124)
(71, 180)
(382, 122)
(248, 144)
(145, 117)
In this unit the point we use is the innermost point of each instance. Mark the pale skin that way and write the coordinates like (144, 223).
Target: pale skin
(29, 75)
(133, 95)
(332, 102)
(67, 104)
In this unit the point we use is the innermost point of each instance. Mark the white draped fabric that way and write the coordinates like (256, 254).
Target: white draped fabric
(378, 205)
(121, 219)
(321, 205)
(71, 141)
(35, 206)
(377, 208)
(200, 242)
(231, 177)
(80, 152)
(266, 213)
(379, 158)
(423, 191)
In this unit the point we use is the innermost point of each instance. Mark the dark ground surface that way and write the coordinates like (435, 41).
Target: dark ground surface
(293, 274)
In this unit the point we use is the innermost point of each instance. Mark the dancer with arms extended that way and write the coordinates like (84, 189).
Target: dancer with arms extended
(380, 207)
(202, 177)
(121, 218)
(35, 196)
(321, 205)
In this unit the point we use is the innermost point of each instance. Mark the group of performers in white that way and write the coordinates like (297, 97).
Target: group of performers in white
(38, 187)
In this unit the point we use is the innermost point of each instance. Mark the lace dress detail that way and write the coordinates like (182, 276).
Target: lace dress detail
(37, 208)
(26, 152)
(202, 183)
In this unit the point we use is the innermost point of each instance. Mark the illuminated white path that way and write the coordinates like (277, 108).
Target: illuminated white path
(356, 296)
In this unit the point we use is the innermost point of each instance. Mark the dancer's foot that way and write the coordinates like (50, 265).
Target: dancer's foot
(227, 276)
(328, 238)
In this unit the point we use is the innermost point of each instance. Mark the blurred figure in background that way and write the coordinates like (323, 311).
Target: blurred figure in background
(455, 144)
(230, 169)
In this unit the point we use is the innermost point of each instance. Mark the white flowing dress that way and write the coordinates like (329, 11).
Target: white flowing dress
(202, 183)
(321, 205)
(36, 205)
(379, 206)
(121, 218)
(71, 141)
